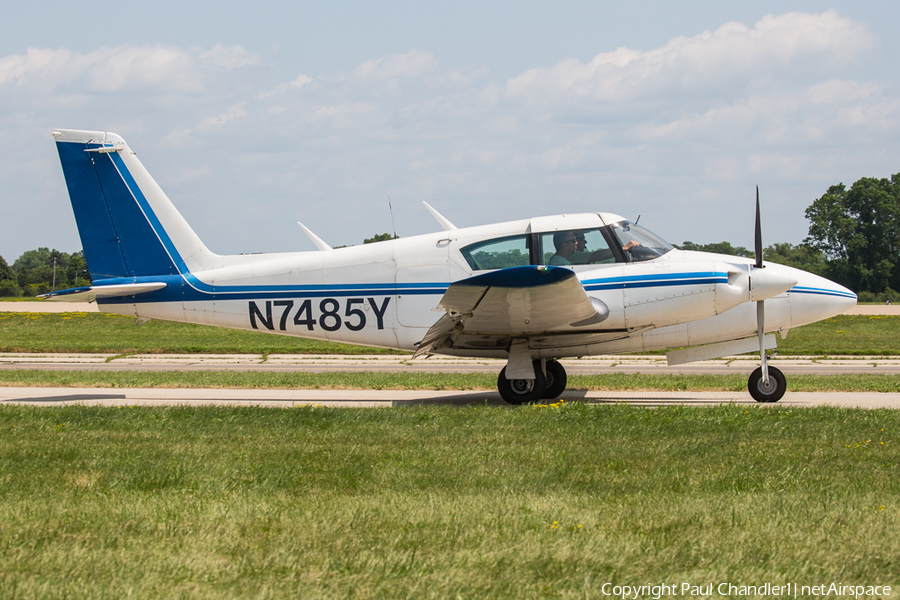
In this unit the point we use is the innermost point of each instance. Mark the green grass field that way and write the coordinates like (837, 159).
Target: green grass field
(92, 332)
(440, 502)
(105, 333)
(423, 381)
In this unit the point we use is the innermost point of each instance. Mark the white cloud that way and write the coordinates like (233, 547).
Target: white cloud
(296, 84)
(113, 69)
(229, 57)
(218, 121)
(398, 66)
(723, 62)
(19, 68)
(666, 130)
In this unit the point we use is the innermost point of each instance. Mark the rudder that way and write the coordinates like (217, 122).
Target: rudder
(119, 221)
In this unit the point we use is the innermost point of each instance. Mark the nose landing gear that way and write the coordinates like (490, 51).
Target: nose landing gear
(763, 391)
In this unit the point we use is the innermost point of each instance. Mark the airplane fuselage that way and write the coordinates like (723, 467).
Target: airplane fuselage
(392, 289)
(530, 291)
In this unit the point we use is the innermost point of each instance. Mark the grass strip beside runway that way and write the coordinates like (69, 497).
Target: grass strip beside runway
(102, 333)
(480, 502)
(424, 381)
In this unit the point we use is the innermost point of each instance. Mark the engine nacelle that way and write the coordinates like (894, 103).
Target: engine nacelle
(666, 293)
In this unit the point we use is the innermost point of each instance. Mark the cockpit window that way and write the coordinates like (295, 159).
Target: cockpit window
(575, 247)
(638, 243)
(567, 247)
(498, 254)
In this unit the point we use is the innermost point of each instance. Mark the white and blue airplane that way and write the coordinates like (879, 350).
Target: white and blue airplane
(531, 291)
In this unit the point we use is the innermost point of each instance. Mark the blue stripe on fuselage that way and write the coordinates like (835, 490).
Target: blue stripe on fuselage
(659, 280)
(821, 292)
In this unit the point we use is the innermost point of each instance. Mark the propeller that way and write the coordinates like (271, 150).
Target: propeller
(760, 304)
(758, 239)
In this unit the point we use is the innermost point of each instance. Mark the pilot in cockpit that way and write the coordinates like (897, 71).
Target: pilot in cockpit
(564, 242)
(571, 248)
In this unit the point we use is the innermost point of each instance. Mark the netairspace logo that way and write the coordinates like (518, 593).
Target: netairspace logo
(785, 590)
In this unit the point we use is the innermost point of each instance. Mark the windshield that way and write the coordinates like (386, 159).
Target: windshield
(639, 243)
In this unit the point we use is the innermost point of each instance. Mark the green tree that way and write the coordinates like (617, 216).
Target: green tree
(858, 230)
(718, 248)
(43, 270)
(380, 237)
(803, 257)
(8, 284)
(5, 272)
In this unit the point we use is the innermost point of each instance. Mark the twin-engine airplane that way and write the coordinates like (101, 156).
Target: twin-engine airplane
(531, 291)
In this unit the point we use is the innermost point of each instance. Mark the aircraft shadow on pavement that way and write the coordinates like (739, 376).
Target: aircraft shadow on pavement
(71, 398)
(493, 399)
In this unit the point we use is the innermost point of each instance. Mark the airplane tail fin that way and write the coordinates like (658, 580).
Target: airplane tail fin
(128, 226)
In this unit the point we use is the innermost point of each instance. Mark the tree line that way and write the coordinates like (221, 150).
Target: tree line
(854, 240)
(42, 271)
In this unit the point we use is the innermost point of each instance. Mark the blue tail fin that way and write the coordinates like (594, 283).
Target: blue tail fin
(120, 211)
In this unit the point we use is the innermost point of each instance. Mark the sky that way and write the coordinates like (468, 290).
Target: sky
(347, 115)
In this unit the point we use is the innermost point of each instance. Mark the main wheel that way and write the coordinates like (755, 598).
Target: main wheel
(767, 393)
(556, 380)
(521, 391)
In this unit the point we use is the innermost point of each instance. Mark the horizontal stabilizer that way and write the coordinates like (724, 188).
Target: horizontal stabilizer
(91, 294)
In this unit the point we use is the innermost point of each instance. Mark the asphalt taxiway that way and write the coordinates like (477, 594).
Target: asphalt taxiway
(38, 396)
(403, 363)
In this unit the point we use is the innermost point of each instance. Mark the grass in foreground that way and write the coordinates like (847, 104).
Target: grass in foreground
(106, 333)
(423, 381)
(101, 333)
(441, 502)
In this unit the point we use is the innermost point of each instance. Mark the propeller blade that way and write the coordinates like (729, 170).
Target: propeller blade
(758, 241)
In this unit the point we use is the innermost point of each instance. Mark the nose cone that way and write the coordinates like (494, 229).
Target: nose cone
(815, 298)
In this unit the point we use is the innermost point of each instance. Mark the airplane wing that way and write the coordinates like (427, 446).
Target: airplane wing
(514, 302)
(90, 294)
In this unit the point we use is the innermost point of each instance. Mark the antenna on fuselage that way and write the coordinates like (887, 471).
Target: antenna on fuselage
(391, 209)
(319, 242)
(638, 219)
(441, 219)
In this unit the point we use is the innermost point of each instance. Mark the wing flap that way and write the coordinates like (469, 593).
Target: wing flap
(514, 302)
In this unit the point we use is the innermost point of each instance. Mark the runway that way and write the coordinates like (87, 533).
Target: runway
(600, 365)
(37, 396)
(595, 365)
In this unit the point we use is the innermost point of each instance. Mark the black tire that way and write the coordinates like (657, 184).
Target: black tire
(521, 391)
(556, 380)
(775, 390)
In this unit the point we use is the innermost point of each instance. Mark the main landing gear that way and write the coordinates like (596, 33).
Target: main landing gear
(548, 384)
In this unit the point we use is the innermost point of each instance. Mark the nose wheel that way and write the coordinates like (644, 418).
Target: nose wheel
(770, 391)
(548, 383)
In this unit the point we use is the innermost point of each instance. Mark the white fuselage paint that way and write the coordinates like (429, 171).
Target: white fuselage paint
(411, 274)
(386, 294)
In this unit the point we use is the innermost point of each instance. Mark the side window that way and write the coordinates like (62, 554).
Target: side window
(498, 254)
(575, 247)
